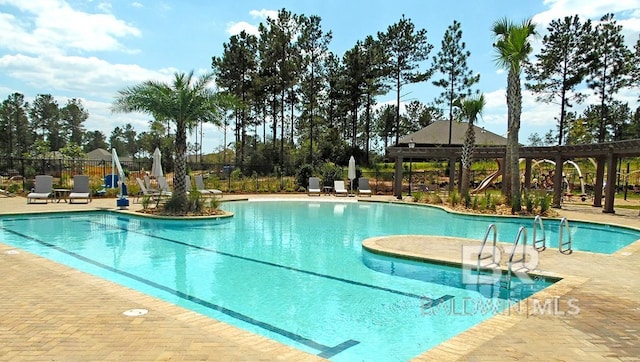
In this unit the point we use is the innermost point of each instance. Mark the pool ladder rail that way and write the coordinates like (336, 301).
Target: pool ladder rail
(564, 247)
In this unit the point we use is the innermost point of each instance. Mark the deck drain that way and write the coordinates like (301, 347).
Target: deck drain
(12, 252)
(135, 312)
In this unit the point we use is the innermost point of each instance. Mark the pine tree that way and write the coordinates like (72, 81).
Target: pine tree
(457, 79)
(609, 63)
(560, 66)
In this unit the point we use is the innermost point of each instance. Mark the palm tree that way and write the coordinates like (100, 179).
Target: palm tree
(513, 47)
(470, 109)
(186, 101)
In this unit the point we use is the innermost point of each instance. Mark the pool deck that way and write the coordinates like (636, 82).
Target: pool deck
(53, 312)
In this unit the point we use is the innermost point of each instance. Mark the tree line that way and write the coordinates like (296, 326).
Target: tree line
(296, 102)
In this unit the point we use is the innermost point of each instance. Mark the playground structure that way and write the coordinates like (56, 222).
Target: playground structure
(491, 178)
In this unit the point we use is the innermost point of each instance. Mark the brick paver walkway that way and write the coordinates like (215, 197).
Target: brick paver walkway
(51, 312)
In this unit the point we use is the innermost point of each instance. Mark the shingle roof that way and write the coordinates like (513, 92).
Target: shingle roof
(437, 133)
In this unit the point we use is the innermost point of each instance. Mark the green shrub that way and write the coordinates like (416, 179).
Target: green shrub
(529, 202)
(195, 202)
(544, 201)
(419, 196)
(214, 203)
(474, 203)
(454, 198)
(145, 202)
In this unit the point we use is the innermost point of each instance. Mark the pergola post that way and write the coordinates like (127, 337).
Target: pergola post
(597, 192)
(397, 179)
(610, 188)
(527, 174)
(557, 182)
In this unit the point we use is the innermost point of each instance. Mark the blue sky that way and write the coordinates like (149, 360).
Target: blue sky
(90, 49)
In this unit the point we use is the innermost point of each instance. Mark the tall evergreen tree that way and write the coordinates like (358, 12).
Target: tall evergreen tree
(608, 60)
(73, 115)
(561, 66)
(406, 48)
(93, 140)
(235, 73)
(457, 79)
(15, 131)
(45, 117)
(512, 50)
(314, 48)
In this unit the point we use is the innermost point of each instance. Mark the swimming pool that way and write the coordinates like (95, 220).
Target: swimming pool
(292, 271)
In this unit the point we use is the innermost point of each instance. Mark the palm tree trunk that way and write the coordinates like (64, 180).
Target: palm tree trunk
(179, 182)
(467, 154)
(514, 101)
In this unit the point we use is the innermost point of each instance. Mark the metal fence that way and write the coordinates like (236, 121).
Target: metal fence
(21, 173)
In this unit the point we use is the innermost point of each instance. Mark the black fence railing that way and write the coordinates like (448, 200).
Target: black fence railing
(20, 173)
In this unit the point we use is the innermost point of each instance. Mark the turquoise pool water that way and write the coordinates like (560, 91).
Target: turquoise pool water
(292, 271)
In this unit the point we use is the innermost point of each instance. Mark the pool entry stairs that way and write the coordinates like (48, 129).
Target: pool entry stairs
(488, 257)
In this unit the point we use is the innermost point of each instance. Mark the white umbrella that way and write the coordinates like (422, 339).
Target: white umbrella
(156, 168)
(352, 171)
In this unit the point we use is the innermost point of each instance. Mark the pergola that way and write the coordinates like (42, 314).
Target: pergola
(605, 154)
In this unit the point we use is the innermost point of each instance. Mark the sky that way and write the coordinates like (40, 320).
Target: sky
(90, 49)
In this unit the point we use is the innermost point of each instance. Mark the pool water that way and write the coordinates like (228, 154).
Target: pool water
(292, 271)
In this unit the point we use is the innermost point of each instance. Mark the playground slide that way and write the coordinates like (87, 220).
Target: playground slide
(487, 181)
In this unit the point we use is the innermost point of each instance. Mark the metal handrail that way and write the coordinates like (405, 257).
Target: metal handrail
(561, 244)
(493, 252)
(521, 231)
(534, 241)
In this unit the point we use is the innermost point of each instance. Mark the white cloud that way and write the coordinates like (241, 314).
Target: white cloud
(264, 13)
(88, 75)
(237, 28)
(136, 4)
(47, 26)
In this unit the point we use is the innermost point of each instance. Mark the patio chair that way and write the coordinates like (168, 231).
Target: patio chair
(363, 186)
(339, 188)
(204, 191)
(42, 189)
(314, 186)
(154, 195)
(80, 189)
(187, 180)
(164, 186)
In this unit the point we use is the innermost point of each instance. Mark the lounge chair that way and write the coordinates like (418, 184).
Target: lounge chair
(80, 189)
(339, 189)
(204, 191)
(154, 195)
(314, 186)
(187, 180)
(42, 189)
(363, 186)
(164, 186)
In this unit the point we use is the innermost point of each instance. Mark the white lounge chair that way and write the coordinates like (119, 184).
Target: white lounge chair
(204, 191)
(187, 180)
(164, 186)
(363, 186)
(154, 195)
(314, 186)
(80, 189)
(339, 188)
(42, 189)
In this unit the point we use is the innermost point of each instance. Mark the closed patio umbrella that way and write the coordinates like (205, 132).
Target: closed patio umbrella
(352, 172)
(156, 168)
